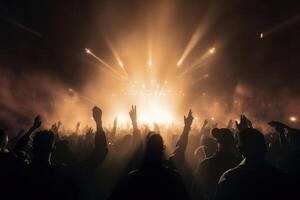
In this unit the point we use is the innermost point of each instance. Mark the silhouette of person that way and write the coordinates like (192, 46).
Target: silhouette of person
(63, 182)
(254, 177)
(13, 162)
(212, 168)
(152, 180)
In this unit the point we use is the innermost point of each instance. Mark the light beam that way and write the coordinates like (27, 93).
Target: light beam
(88, 51)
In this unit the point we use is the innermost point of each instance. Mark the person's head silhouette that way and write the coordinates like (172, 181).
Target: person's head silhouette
(43, 145)
(3, 140)
(154, 150)
(252, 144)
(224, 139)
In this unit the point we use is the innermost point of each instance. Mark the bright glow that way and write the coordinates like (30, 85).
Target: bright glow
(153, 114)
(212, 50)
(149, 63)
(179, 62)
(261, 35)
(157, 115)
(87, 51)
(123, 119)
(121, 64)
(106, 65)
(293, 119)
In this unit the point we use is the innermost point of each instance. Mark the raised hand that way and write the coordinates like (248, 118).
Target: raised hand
(189, 119)
(89, 131)
(37, 122)
(24, 141)
(132, 114)
(133, 117)
(55, 127)
(100, 150)
(97, 114)
(230, 124)
(244, 123)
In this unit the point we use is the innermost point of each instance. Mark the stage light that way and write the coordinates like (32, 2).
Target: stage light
(87, 51)
(261, 35)
(293, 119)
(179, 63)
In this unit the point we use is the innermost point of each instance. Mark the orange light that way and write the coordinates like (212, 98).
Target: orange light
(212, 50)
(293, 119)
(87, 51)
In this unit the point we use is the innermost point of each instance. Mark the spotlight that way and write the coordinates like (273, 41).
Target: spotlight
(212, 50)
(293, 119)
(179, 63)
(87, 50)
(261, 35)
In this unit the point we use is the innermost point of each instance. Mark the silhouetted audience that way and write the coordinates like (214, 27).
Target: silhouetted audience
(140, 162)
(152, 180)
(212, 168)
(254, 177)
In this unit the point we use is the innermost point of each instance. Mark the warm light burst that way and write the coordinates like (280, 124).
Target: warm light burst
(293, 119)
(212, 50)
(147, 72)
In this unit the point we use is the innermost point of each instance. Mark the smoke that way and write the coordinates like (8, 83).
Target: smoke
(24, 96)
(253, 77)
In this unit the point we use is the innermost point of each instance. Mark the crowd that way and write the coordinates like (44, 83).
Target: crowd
(235, 162)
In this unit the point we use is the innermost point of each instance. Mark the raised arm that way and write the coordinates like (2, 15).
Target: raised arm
(178, 155)
(24, 141)
(243, 124)
(133, 117)
(100, 150)
(202, 130)
(100, 138)
(55, 128)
